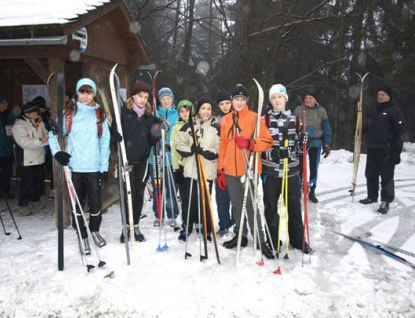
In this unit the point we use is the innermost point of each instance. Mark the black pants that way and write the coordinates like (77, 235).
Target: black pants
(378, 165)
(195, 198)
(30, 184)
(88, 186)
(314, 161)
(272, 191)
(6, 170)
(138, 180)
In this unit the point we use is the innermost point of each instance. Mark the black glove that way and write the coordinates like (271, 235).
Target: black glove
(279, 153)
(395, 158)
(178, 175)
(116, 136)
(62, 157)
(326, 151)
(103, 177)
(196, 149)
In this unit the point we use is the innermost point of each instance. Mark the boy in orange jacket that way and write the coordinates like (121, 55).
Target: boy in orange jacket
(232, 165)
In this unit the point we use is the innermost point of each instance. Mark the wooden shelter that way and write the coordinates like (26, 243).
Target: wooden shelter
(83, 43)
(30, 53)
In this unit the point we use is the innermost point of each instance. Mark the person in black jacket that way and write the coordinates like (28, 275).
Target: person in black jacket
(384, 127)
(137, 121)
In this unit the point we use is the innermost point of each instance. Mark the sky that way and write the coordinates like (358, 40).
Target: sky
(341, 279)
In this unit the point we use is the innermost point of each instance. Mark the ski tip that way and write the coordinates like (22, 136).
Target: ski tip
(277, 271)
(110, 275)
(101, 264)
(261, 262)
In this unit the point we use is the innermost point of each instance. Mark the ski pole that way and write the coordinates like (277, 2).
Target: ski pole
(12, 216)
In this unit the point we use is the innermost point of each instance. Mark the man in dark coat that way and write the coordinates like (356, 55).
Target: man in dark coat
(384, 127)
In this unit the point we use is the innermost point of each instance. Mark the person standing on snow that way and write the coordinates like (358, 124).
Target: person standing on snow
(231, 162)
(207, 135)
(185, 107)
(319, 134)
(7, 119)
(136, 122)
(30, 135)
(384, 127)
(283, 126)
(223, 201)
(87, 154)
(169, 114)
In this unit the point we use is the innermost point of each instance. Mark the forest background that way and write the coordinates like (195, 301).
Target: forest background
(204, 46)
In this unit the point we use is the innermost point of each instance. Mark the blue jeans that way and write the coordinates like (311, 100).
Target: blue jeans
(168, 197)
(224, 203)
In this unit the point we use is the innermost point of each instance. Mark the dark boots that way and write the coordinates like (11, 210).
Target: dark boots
(234, 242)
(312, 195)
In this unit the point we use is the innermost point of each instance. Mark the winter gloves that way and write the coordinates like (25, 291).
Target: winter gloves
(395, 158)
(326, 151)
(62, 157)
(279, 153)
(221, 180)
(244, 143)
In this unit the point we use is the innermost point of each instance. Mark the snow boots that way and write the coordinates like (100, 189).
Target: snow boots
(384, 207)
(367, 201)
(86, 247)
(234, 242)
(312, 195)
(98, 239)
(138, 236)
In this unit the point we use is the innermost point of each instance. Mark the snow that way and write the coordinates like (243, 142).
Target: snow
(36, 12)
(341, 279)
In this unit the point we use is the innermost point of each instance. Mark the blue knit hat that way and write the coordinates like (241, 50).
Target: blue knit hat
(86, 81)
(165, 91)
(2, 98)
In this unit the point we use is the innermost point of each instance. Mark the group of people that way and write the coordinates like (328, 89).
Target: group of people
(221, 136)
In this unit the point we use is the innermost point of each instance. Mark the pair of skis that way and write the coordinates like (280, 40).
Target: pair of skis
(358, 136)
(204, 195)
(381, 248)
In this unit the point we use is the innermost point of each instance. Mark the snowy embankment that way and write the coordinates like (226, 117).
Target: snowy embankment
(341, 279)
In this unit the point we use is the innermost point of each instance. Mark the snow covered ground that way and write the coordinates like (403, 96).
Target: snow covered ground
(342, 279)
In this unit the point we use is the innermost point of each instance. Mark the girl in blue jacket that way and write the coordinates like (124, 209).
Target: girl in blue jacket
(87, 154)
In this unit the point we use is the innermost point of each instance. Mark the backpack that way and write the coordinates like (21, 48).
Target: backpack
(69, 118)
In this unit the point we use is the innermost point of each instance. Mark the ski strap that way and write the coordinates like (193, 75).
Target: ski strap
(69, 118)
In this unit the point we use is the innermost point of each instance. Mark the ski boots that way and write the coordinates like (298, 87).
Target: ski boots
(86, 247)
(234, 242)
(98, 239)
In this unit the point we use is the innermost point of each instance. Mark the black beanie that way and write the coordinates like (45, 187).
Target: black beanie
(138, 87)
(312, 93)
(30, 107)
(223, 95)
(39, 101)
(387, 89)
(203, 100)
(240, 91)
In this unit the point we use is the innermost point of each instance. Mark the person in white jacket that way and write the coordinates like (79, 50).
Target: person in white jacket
(30, 136)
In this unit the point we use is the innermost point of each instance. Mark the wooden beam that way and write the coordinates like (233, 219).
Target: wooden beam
(38, 68)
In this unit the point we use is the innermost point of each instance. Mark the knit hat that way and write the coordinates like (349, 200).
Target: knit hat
(86, 81)
(278, 89)
(387, 89)
(165, 91)
(39, 101)
(185, 103)
(223, 95)
(30, 107)
(2, 98)
(140, 86)
(202, 100)
(313, 93)
(240, 91)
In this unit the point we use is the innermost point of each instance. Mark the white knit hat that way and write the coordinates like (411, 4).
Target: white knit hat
(278, 89)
